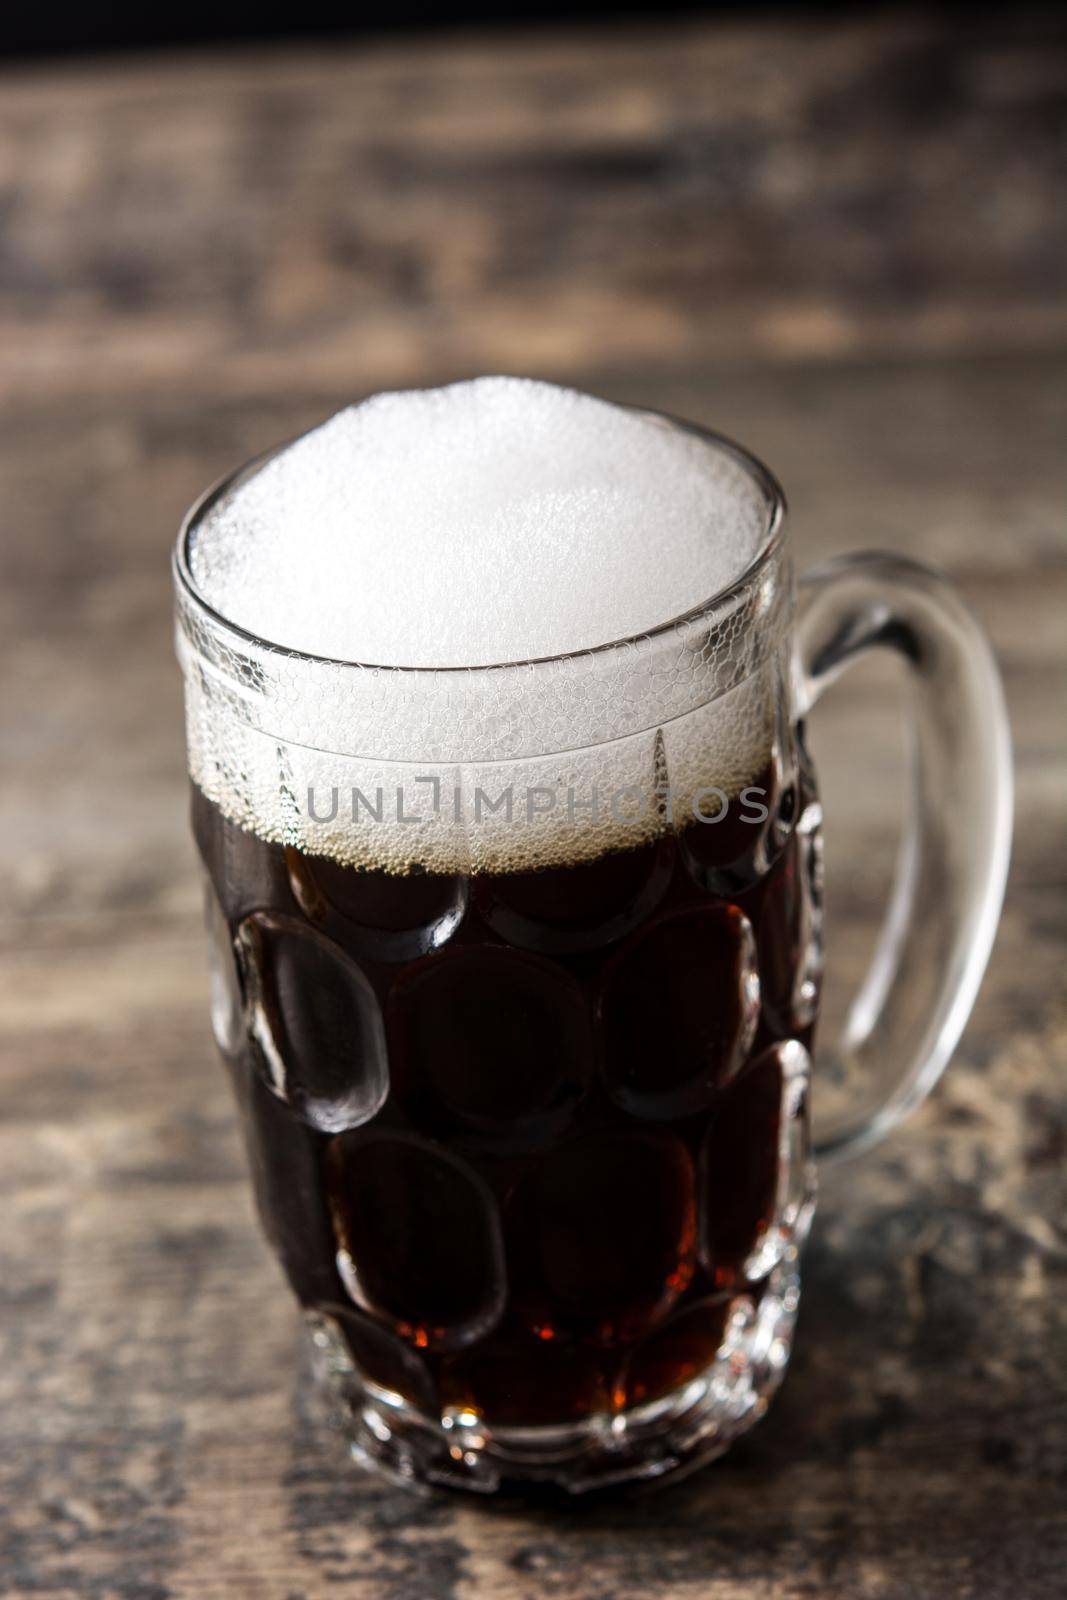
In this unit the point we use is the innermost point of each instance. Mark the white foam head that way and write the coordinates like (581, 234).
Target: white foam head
(490, 521)
(497, 521)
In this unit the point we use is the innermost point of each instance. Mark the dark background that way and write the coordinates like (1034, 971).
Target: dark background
(71, 28)
(67, 27)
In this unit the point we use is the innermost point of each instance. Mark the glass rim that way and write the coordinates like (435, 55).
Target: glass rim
(772, 539)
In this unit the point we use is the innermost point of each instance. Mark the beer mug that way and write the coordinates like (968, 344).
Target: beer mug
(516, 972)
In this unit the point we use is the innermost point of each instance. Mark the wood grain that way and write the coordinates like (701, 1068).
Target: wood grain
(843, 242)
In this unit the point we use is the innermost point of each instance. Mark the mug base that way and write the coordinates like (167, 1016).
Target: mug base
(675, 1433)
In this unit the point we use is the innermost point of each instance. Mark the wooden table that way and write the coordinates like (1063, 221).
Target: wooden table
(843, 242)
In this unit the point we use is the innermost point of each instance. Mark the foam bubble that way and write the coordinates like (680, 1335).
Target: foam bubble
(495, 520)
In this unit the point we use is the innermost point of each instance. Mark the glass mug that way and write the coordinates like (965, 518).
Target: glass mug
(532, 1142)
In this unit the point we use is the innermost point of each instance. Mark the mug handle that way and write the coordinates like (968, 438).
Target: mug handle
(911, 1008)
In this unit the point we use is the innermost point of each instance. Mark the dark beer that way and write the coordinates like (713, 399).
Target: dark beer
(519, 1135)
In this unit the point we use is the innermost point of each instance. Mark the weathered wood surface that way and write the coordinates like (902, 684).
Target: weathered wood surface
(843, 242)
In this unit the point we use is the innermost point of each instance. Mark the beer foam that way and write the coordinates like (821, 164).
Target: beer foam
(496, 520)
(381, 565)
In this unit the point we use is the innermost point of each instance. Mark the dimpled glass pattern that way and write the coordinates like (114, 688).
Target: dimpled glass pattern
(545, 1221)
